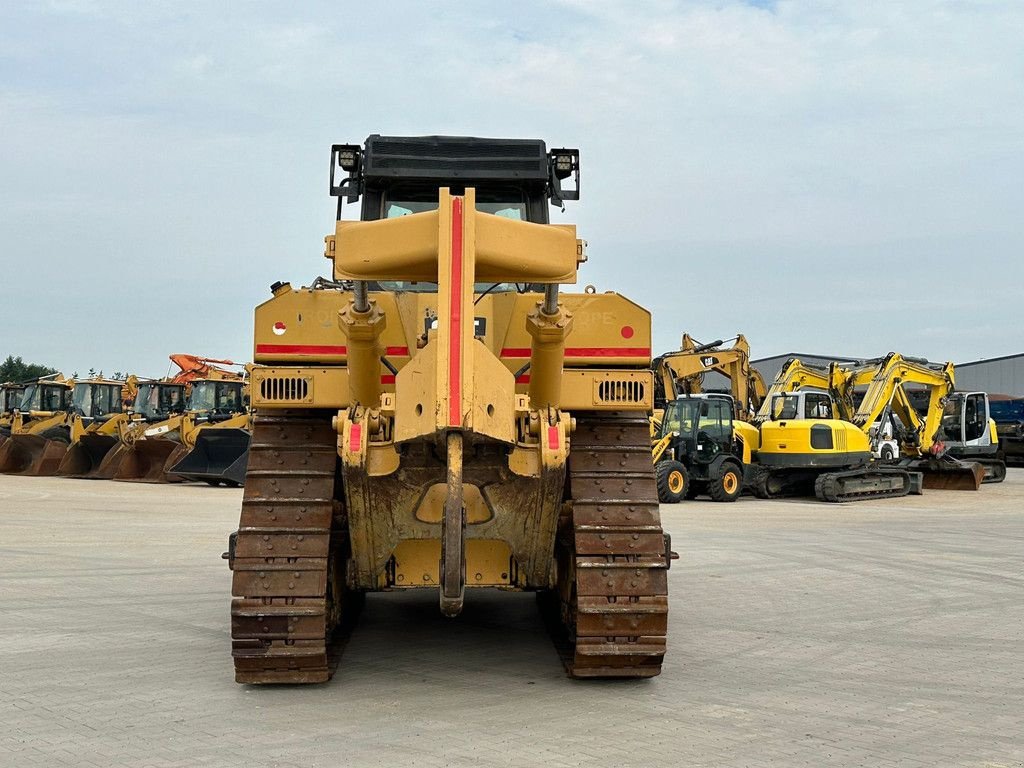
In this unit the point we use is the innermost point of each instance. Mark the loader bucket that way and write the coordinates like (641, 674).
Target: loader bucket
(31, 455)
(85, 457)
(145, 461)
(219, 456)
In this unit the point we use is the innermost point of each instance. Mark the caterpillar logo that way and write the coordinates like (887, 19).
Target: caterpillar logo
(708, 361)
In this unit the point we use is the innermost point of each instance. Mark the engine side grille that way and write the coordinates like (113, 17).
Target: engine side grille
(284, 389)
(630, 391)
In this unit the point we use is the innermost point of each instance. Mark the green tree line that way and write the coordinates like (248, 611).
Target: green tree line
(16, 369)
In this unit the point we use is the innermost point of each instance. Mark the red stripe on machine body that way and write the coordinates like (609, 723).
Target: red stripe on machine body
(585, 352)
(319, 349)
(455, 320)
(301, 349)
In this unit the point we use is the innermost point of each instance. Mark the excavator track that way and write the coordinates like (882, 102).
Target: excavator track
(288, 553)
(863, 484)
(613, 555)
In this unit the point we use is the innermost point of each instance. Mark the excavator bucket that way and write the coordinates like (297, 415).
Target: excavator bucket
(31, 455)
(952, 475)
(85, 457)
(219, 456)
(146, 461)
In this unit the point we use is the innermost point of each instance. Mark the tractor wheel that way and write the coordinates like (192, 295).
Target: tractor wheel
(727, 483)
(672, 480)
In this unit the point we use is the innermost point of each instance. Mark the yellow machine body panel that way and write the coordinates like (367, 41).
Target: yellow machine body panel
(812, 443)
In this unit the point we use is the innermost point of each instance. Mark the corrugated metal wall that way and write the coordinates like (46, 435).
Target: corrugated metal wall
(1001, 375)
(1004, 375)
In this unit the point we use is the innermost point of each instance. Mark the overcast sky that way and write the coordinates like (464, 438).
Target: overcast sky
(824, 177)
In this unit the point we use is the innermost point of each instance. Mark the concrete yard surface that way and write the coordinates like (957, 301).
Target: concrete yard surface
(801, 634)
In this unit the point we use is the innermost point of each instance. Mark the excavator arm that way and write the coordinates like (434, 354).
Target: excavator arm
(682, 372)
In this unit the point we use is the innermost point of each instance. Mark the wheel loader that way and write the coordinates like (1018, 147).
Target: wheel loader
(151, 448)
(38, 437)
(85, 422)
(99, 451)
(10, 398)
(438, 414)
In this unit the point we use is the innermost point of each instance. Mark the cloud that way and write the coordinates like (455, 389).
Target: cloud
(816, 175)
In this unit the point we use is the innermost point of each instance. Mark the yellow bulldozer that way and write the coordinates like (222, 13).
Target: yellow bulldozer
(439, 415)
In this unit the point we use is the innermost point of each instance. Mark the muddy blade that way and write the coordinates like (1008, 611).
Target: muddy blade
(951, 478)
(220, 455)
(31, 455)
(84, 458)
(145, 461)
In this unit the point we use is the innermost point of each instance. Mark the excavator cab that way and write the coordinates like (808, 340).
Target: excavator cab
(970, 434)
(701, 453)
(803, 404)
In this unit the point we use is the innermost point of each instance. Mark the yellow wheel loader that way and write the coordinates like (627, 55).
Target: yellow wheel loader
(439, 415)
(10, 398)
(150, 449)
(215, 436)
(74, 438)
(38, 433)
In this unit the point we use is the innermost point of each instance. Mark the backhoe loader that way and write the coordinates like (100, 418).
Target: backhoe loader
(682, 372)
(439, 415)
(702, 449)
(40, 439)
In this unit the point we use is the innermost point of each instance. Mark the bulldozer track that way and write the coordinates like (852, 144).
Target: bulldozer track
(613, 554)
(288, 552)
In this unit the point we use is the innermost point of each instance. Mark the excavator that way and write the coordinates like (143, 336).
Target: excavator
(167, 423)
(439, 415)
(55, 414)
(682, 372)
(813, 435)
(953, 441)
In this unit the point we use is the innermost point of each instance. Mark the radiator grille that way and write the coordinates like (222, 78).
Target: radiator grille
(284, 388)
(621, 391)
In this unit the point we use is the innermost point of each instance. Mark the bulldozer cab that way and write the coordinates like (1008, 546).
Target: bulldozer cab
(218, 400)
(93, 400)
(399, 175)
(156, 400)
(44, 396)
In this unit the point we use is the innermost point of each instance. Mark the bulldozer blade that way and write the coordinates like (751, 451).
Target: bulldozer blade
(145, 461)
(31, 455)
(219, 456)
(85, 458)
